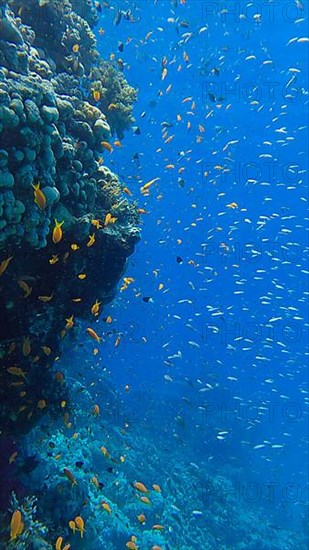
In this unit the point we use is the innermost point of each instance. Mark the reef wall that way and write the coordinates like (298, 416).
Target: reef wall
(59, 106)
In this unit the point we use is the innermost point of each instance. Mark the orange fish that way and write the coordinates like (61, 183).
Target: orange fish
(96, 224)
(59, 543)
(158, 527)
(72, 526)
(107, 146)
(145, 500)
(96, 308)
(94, 335)
(96, 410)
(26, 346)
(96, 95)
(106, 506)
(4, 265)
(42, 404)
(80, 525)
(70, 476)
(16, 526)
(140, 487)
(104, 451)
(75, 48)
(95, 482)
(39, 197)
(141, 518)
(16, 371)
(156, 488)
(25, 287)
(57, 232)
(232, 205)
(47, 350)
(131, 545)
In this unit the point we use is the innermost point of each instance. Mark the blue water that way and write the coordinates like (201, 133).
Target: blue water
(216, 362)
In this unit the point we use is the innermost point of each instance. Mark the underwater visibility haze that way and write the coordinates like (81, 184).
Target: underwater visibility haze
(154, 274)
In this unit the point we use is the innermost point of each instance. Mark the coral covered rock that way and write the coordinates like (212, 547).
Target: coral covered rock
(57, 253)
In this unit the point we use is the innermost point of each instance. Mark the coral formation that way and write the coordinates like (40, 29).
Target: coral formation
(52, 172)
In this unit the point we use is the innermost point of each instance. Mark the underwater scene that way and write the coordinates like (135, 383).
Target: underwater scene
(154, 275)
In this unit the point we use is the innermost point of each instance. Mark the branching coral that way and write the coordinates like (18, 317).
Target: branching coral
(34, 532)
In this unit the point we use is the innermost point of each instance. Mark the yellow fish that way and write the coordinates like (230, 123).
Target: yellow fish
(25, 287)
(91, 240)
(54, 259)
(94, 335)
(70, 322)
(45, 298)
(16, 371)
(144, 189)
(4, 265)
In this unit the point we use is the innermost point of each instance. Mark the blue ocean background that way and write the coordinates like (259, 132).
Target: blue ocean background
(210, 376)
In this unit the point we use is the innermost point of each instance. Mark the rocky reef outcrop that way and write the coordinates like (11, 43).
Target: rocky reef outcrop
(66, 228)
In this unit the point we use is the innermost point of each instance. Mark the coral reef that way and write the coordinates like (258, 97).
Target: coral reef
(66, 229)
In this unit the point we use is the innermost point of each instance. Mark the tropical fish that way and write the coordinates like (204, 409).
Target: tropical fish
(80, 525)
(16, 371)
(39, 197)
(4, 265)
(96, 410)
(94, 335)
(45, 298)
(147, 185)
(70, 322)
(70, 476)
(91, 240)
(54, 259)
(106, 146)
(104, 451)
(26, 349)
(72, 526)
(16, 525)
(106, 506)
(13, 457)
(140, 487)
(57, 232)
(96, 94)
